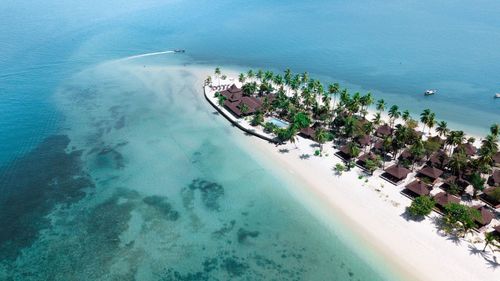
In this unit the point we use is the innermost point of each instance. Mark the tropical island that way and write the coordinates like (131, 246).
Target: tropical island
(439, 169)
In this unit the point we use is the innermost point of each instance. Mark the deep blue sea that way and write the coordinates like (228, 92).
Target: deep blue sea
(133, 186)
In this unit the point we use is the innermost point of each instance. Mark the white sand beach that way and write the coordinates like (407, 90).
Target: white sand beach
(374, 209)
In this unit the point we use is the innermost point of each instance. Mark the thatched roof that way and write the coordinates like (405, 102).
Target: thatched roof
(233, 94)
(488, 197)
(496, 158)
(366, 156)
(383, 131)
(436, 139)
(468, 148)
(406, 154)
(486, 215)
(419, 188)
(379, 145)
(233, 89)
(363, 140)
(397, 172)
(252, 103)
(431, 172)
(494, 179)
(309, 132)
(444, 198)
(460, 182)
(439, 157)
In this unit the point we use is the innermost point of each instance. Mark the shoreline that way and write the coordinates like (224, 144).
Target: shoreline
(337, 198)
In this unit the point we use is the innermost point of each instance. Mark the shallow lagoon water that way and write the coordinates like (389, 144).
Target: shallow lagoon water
(171, 193)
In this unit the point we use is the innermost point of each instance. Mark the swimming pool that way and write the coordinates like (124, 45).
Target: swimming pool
(278, 122)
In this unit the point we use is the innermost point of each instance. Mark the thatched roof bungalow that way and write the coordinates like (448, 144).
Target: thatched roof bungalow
(491, 196)
(443, 198)
(395, 174)
(363, 140)
(496, 159)
(486, 216)
(417, 188)
(309, 132)
(439, 158)
(494, 180)
(383, 131)
(468, 148)
(461, 184)
(430, 172)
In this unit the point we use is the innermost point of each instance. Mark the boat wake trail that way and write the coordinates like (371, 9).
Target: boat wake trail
(145, 55)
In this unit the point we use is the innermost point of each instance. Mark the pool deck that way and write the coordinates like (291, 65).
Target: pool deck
(241, 123)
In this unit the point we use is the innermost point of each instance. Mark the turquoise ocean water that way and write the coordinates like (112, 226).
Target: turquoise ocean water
(105, 173)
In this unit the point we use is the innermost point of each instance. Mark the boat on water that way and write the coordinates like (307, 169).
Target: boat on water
(430, 92)
(497, 96)
(179, 51)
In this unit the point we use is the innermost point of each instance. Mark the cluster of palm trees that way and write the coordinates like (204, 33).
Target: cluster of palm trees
(340, 116)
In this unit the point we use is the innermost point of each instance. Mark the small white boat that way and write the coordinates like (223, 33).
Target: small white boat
(430, 92)
(179, 51)
(497, 96)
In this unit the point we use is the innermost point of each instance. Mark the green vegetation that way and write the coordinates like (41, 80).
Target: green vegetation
(477, 183)
(258, 119)
(339, 169)
(460, 217)
(421, 206)
(270, 127)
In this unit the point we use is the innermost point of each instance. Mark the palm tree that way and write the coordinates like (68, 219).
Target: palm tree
(424, 117)
(431, 121)
(208, 81)
(401, 135)
(354, 149)
(301, 120)
(321, 136)
(489, 147)
(394, 114)
(221, 99)
(249, 88)
(417, 151)
(268, 75)
(242, 78)
(288, 76)
(333, 89)
(350, 126)
(442, 128)
(365, 102)
(305, 78)
(250, 74)
(381, 105)
(458, 162)
(376, 119)
(259, 75)
(278, 80)
(406, 115)
(292, 135)
(217, 73)
(455, 138)
(489, 238)
(244, 108)
(495, 129)
(477, 183)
